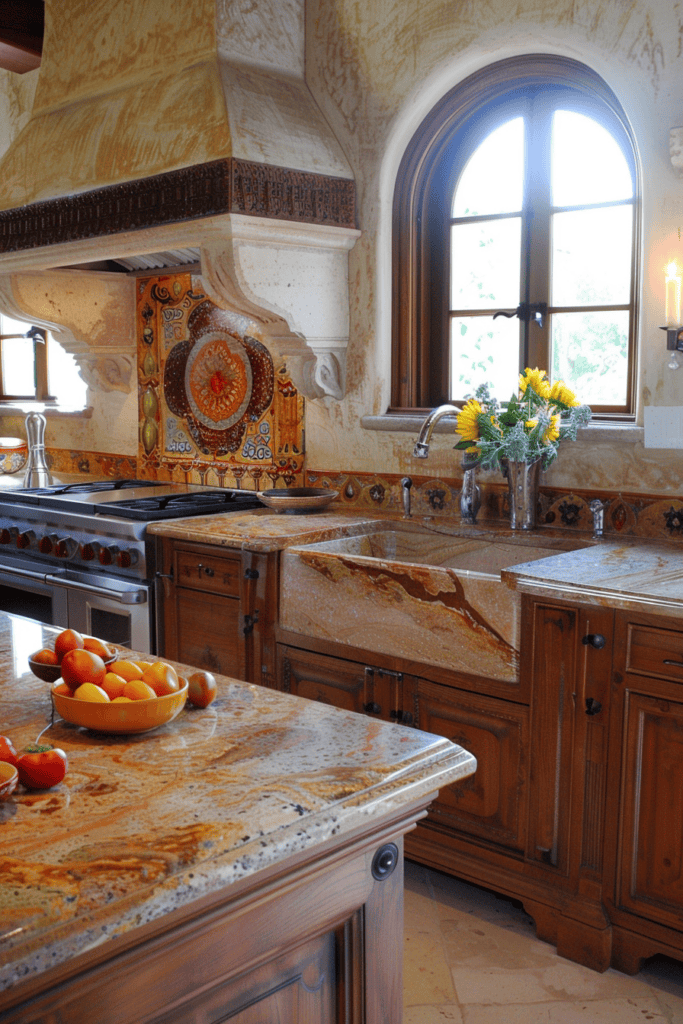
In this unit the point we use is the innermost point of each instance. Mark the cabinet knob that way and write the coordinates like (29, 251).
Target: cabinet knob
(596, 640)
(593, 706)
(372, 708)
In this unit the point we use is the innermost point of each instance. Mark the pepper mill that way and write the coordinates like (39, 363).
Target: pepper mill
(37, 473)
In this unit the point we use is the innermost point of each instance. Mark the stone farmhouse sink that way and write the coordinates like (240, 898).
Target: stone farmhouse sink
(422, 593)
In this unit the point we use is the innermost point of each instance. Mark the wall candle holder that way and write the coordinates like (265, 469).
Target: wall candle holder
(674, 343)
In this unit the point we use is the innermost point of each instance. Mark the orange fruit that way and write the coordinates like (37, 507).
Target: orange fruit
(45, 657)
(202, 689)
(63, 689)
(162, 678)
(91, 643)
(68, 640)
(113, 685)
(122, 700)
(128, 670)
(80, 666)
(88, 691)
(137, 689)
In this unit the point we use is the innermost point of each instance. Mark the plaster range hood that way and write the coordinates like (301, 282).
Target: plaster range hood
(220, 154)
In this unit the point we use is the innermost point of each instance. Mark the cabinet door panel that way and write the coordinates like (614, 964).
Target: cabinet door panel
(490, 804)
(207, 633)
(650, 879)
(344, 684)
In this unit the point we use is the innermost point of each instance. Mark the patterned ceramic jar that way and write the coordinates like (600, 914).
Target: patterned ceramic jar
(13, 454)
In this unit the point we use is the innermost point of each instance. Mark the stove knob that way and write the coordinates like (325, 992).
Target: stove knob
(24, 540)
(65, 548)
(88, 551)
(47, 543)
(107, 555)
(126, 558)
(7, 536)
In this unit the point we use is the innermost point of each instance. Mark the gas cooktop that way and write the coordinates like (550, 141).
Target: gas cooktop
(141, 500)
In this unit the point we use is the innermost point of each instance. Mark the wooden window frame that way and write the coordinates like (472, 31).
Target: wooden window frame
(41, 392)
(420, 260)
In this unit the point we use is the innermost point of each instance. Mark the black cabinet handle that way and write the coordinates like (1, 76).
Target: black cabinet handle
(372, 708)
(595, 640)
(593, 706)
(670, 661)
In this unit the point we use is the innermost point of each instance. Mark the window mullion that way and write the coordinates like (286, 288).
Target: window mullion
(537, 222)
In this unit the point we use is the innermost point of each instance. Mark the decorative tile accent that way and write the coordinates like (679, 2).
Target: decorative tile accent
(212, 408)
(647, 516)
(98, 464)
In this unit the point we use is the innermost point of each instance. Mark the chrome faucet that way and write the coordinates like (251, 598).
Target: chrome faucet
(421, 449)
(406, 484)
(597, 508)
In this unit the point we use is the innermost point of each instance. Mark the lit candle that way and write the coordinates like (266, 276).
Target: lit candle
(673, 296)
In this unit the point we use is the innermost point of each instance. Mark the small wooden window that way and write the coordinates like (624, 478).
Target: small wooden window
(516, 215)
(23, 362)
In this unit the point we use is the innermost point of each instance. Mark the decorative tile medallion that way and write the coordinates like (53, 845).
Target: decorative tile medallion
(212, 408)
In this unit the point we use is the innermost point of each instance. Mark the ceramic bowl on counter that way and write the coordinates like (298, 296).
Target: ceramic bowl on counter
(297, 500)
(13, 454)
(136, 716)
(9, 776)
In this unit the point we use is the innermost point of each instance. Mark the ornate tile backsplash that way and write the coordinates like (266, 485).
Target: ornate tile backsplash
(213, 409)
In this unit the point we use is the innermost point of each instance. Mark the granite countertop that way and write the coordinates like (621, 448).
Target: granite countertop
(145, 825)
(634, 576)
(262, 529)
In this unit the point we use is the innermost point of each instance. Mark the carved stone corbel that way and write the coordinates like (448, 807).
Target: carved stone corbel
(111, 371)
(290, 283)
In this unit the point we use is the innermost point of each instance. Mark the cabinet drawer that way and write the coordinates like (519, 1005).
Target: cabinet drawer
(655, 652)
(198, 569)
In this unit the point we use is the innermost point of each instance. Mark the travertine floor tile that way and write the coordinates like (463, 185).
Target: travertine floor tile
(608, 1011)
(502, 974)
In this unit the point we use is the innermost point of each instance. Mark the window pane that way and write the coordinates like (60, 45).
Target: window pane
(485, 264)
(592, 257)
(587, 165)
(64, 381)
(484, 351)
(492, 181)
(590, 354)
(18, 366)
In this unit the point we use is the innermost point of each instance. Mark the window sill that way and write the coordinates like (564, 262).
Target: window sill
(408, 423)
(49, 411)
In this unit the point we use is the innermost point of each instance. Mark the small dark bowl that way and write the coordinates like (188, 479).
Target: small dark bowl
(51, 673)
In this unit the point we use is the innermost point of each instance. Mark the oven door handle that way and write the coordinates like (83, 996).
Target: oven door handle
(7, 573)
(134, 595)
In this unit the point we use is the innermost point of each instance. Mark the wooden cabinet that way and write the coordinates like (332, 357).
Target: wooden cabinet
(644, 889)
(491, 804)
(218, 609)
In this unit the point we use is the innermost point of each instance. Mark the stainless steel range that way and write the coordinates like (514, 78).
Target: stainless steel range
(77, 554)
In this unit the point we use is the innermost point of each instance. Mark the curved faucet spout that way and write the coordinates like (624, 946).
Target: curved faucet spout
(421, 449)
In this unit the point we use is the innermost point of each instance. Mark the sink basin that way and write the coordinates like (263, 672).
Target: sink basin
(420, 593)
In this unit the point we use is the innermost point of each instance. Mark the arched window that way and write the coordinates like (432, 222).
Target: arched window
(515, 233)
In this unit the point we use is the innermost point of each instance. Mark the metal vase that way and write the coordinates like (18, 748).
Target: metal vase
(522, 478)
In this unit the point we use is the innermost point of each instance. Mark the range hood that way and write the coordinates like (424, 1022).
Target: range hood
(158, 133)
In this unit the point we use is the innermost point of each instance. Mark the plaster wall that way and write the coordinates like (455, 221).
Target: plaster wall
(376, 67)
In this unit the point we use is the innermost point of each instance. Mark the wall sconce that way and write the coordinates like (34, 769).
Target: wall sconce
(674, 328)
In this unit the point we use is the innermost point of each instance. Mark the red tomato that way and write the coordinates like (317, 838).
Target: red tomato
(202, 689)
(7, 751)
(41, 766)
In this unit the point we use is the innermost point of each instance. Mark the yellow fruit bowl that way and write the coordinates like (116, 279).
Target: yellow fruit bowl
(136, 716)
(9, 776)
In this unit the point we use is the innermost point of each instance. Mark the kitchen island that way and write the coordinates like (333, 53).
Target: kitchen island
(242, 863)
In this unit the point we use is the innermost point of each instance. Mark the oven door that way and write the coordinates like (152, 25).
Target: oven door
(117, 611)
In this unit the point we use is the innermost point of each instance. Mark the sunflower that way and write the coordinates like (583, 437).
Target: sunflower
(559, 392)
(468, 420)
(537, 380)
(552, 431)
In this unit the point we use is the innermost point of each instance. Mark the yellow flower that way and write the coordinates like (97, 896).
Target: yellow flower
(467, 425)
(552, 431)
(559, 392)
(537, 380)
(530, 425)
